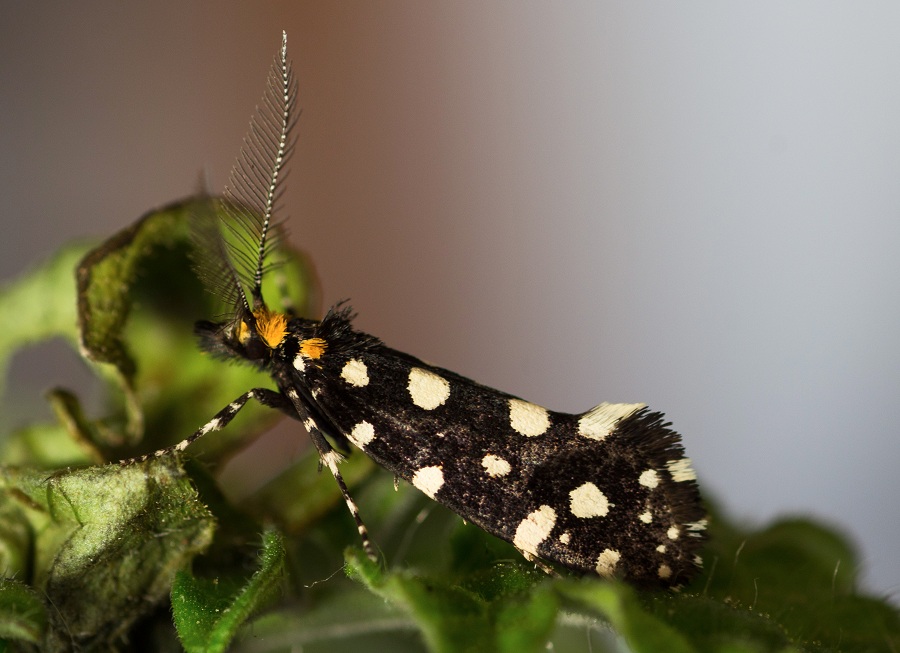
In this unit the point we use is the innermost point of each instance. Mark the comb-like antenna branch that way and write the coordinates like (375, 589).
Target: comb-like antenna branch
(234, 254)
(286, 106)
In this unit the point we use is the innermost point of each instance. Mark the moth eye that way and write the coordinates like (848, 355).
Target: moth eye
(244, 333)
(255, 349)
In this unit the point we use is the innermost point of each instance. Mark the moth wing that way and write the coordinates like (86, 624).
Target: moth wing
(545, 481)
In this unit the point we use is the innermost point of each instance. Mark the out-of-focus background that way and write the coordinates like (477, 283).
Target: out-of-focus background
(689, 204)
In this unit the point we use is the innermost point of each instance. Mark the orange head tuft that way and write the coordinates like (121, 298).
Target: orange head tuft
(270, 326)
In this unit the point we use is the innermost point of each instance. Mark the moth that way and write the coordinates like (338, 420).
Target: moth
(606, 492)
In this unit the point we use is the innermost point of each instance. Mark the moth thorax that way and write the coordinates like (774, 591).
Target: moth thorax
(313, 347)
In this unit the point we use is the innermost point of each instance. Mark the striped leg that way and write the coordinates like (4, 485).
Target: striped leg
(263, 395)
(295, 407)
(331, 458)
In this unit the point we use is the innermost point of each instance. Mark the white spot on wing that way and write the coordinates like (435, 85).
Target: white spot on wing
(681, 470)
(355, 373)
(665, 571)
(427, 389)
(362, 434)
(495, 466)
(565, 538)
(299, 363)
(429, 480)
(646, 517)
(527, 418)
(588, 501)
(673, 533)
(607, 561)
(601, 420)
(649, 479)
(661, 548)
(534, 529)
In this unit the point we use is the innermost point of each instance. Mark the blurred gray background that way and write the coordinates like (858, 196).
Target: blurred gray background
(694, 205)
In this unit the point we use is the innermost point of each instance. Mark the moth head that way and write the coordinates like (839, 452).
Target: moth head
(253, 335)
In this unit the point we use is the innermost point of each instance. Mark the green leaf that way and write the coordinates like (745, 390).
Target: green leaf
(105, 277)
(23, 617)
(793, 582)
(619, 605)
(24, 321)
(208, 612)
(108, 541)
(16, 539)
(347, 617)
(42, 446)
(483, 614)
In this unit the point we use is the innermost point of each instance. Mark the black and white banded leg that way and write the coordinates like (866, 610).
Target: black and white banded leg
(264, 396)
(331, 458)
(294, 408)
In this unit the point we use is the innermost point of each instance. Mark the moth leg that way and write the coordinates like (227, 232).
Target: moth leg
(537, 562)
(263, 395)
(330, 458)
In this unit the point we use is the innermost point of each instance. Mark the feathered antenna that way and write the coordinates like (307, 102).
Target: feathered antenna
(232, 263)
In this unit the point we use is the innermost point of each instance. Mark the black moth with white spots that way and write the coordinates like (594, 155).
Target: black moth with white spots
(608, 491)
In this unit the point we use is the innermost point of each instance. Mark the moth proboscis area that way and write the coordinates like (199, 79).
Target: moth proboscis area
(608, 491)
